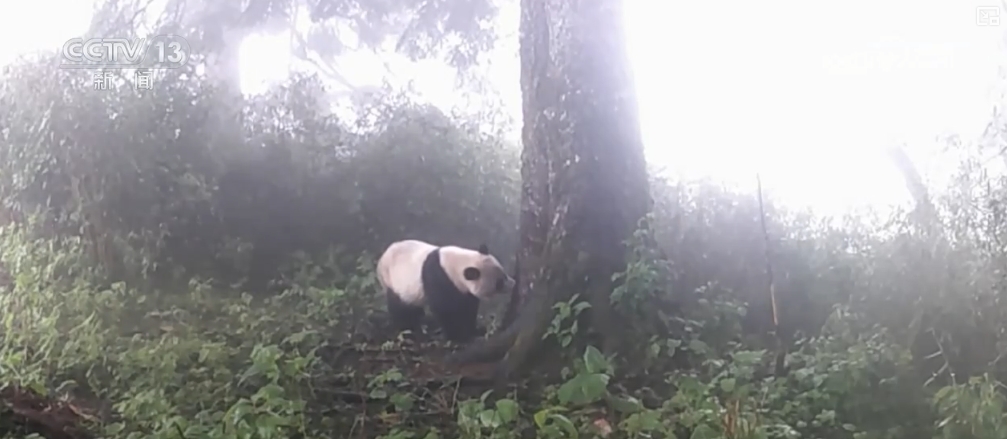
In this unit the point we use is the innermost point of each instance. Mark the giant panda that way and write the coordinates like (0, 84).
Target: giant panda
(450, 280)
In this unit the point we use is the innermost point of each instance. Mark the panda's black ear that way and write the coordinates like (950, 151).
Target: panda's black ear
(484, 249)
(471, 274)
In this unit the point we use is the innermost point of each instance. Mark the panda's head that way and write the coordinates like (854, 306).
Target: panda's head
(477, 271)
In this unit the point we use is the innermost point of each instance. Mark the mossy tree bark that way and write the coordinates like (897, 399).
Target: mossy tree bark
(585, 184)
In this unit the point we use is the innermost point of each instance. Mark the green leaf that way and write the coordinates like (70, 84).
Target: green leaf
(704, 431)
(402, 401)
(594, 361)
(583, 389)
(543, 416)
(626, 404)
(565, 423)
(747, 357)
(507, 409)
(698, 347)
(489, 419)
(727, 384)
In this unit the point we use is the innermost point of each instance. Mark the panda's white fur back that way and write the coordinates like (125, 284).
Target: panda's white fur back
(400, 268)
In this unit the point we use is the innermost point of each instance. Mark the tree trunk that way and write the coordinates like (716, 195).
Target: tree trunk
(925, 213)
(585, 185)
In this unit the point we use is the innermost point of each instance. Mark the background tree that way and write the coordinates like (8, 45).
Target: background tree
(585, 185)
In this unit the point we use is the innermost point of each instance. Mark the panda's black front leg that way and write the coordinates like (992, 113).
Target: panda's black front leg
(459, 319)
(468, 320)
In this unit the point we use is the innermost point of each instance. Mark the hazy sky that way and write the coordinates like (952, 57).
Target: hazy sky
(808, 94)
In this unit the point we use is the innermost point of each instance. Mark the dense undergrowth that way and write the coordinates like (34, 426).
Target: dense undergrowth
(309, 362)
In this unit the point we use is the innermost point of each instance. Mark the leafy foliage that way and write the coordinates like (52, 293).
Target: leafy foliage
(151, 191)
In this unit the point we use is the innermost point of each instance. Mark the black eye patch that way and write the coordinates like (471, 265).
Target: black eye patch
(471, 273)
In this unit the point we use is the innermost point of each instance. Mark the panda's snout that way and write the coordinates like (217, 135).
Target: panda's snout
(503, 285)
(509, 283)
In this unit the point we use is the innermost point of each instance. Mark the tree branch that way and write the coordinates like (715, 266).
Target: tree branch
(780, 368)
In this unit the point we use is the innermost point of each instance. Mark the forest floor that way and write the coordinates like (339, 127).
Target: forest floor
(25, 411)
(354, 399)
